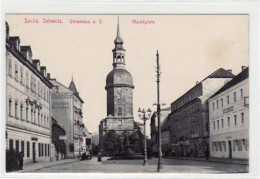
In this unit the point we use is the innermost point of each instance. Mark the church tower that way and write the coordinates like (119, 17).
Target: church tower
(119, 87)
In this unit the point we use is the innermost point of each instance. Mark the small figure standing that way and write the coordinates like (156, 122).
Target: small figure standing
(99, 157)
(207, 154)
(21, 160)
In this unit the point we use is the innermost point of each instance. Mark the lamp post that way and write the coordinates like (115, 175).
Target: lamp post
(141, 114)
(158, 73)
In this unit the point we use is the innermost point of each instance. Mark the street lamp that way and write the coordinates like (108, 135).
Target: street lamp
(141, 114)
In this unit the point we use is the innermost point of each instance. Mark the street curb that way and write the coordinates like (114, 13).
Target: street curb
(208, 161)
(25, 171)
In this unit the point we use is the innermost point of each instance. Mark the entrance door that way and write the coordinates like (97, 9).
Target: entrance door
(33, 153)
(230, 149)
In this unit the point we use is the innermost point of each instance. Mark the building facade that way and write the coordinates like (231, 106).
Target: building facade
(229, 119)
(67, 111)
(28, 115)
(188, 121)
(119, 87)
(164, 131)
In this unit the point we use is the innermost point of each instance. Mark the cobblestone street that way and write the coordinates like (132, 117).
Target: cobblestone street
(135, 166)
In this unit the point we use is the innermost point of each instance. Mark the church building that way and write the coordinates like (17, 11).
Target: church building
(119, 87)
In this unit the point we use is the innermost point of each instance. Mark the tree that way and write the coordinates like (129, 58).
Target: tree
(111, 143)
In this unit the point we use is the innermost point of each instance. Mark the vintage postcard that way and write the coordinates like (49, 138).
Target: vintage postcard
(129, 93)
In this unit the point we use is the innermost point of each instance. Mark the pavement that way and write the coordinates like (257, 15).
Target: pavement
(134, 166)
(218, 160)
(30, 167)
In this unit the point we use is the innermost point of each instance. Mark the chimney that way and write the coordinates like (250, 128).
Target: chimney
(27, 52)
(36, 64)
(197, 82)
(15, 41)
(243, 67)
(229, 70)
(43, 70)
(48, 76)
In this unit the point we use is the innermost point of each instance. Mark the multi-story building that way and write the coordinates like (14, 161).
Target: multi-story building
(67, 111)
(154, 130)
(229, 119)
(188, 121)
(28, 117)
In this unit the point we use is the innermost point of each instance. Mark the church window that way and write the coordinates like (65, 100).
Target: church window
(119, 111)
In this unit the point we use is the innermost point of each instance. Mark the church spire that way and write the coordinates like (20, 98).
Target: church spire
(118, 40)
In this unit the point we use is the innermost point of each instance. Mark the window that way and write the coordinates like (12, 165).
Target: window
(217, 104)
(39, 89)
(10, 67)
(220, 146)
(242, 118)
(39, 118)
(26, 113)
(10, 107)
(227, 99)
(11, 144)
(120, 122)
(228, 121)
(218, 123)
(48, 149)
(222, 123)
(44, 94)
(16, 72)
(213, 106)
(212, 146)
(45, 149)
(241, 94)
(214, 125)
(119, 111)
(21, 72)
(235, 120)
(224, 146)
(17, 146)
(44, 124)
(31, 115)
(28, 149)
(56, 89)
(22, 147)
(15, 109)
(234, 145)
(221, 102)
(21, 111)
(239, 145)
(27, 80)
(39, 149)
(42, 149)
(235, 96)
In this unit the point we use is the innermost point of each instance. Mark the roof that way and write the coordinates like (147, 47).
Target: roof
(219, 73)
(119, 77)
(73, 88)
(237, 79)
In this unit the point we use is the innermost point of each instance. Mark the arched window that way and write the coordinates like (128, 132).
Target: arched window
(119, 111)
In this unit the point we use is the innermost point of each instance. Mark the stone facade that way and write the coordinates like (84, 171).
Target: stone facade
(28, 115)
(188, 121)
(67, 111)
(119, 87)
(229, 119)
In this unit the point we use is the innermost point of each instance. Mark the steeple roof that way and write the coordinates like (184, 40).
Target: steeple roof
(72, 86)
(118, 39)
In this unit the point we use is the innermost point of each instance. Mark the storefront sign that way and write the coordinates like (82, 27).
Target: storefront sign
(228, 110)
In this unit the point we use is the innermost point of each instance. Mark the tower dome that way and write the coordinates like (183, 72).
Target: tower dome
(119, 78)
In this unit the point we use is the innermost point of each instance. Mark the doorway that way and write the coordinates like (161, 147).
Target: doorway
(33, 153)
(230, 149)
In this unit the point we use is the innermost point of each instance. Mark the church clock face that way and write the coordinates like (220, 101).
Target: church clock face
(119, 94)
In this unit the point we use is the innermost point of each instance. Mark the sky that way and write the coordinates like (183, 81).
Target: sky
(190, 47)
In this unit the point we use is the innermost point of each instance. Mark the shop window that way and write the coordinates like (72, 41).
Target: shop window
(17, 146)
(11, 144)
(22, 147)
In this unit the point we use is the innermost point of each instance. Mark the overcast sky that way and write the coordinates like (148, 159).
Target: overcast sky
(190, 47)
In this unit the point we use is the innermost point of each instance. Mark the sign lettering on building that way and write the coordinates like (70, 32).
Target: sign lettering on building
(228, 109)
